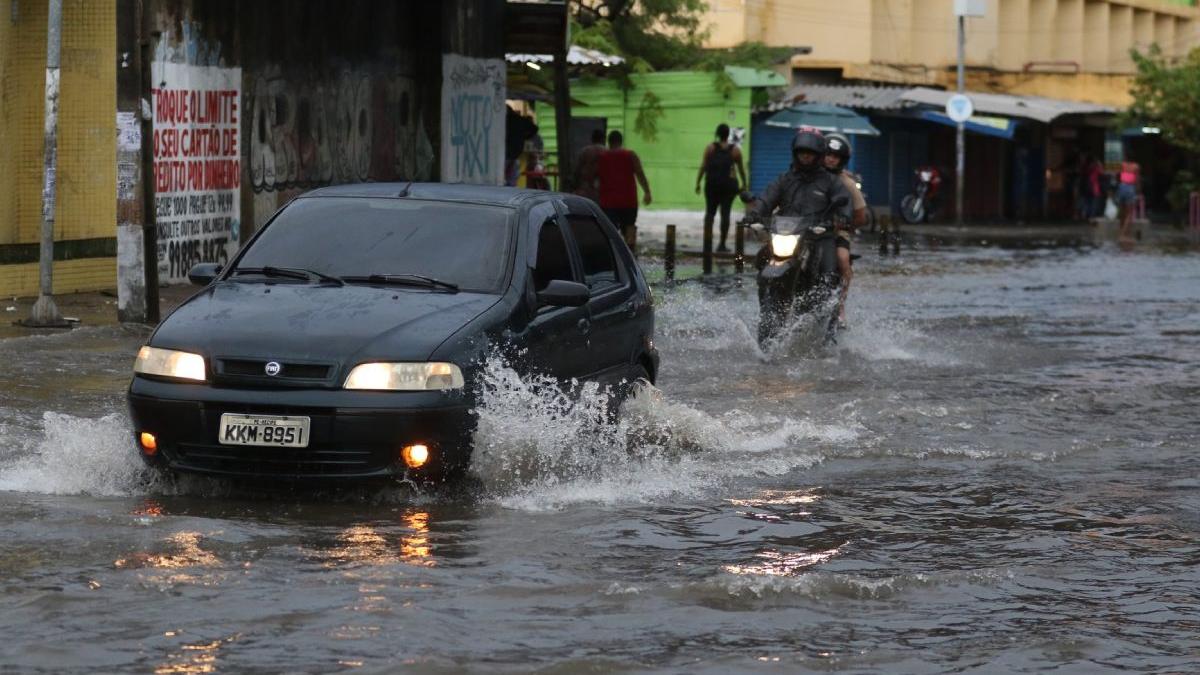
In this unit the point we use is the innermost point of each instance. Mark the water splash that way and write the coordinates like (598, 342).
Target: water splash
(77, 455)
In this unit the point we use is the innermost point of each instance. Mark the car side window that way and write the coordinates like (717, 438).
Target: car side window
(596, 251)
(553, 261)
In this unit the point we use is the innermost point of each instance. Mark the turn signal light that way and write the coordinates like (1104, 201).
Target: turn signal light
(415, 456)
(149, 443)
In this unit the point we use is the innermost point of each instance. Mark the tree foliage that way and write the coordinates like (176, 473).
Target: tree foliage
(1166, 94)
(661, 35)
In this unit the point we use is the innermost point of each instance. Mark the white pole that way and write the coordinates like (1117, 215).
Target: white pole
(960, 159)
(45, 312)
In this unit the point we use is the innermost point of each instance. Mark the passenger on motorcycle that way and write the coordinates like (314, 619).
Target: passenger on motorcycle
(837, 156)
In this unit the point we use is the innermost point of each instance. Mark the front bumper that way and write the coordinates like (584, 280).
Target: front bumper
(353, 435)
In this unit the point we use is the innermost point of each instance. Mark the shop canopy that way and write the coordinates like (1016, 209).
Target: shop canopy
(999, 127)
(823, 117)
(1036, 108)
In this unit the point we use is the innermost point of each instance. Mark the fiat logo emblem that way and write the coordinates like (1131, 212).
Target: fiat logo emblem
(273, 368)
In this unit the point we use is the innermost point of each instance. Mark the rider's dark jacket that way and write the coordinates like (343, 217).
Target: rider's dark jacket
(803, 193)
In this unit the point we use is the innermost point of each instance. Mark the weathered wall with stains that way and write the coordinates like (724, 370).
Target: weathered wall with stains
(85, 179)
(351, 91)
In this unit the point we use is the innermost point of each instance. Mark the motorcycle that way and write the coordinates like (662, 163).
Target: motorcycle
(797, 272)
(916, 206)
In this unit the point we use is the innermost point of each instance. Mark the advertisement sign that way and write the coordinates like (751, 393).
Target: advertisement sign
(197, 165)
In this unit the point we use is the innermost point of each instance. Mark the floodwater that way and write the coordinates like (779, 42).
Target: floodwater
(995, 470)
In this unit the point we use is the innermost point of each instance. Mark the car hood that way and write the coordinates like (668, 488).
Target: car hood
(312, 322)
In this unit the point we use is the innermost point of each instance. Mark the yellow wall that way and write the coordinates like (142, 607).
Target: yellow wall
(914, 41)
(86, 202)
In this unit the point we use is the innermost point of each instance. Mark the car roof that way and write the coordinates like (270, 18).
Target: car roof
(449, 192)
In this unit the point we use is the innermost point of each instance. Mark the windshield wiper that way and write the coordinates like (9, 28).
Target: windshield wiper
(405, 280)
(290, 273)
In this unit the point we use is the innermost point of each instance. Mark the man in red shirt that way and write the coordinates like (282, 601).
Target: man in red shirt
(617, 169)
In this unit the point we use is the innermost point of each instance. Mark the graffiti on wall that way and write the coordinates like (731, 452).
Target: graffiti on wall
(308, 131)
(197, 165)
(473, 114)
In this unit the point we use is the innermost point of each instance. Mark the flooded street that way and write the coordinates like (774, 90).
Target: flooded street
(995, 469)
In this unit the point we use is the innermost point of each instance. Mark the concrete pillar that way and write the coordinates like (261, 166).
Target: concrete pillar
(1143, 29)
(1097, 42)
(1120, 34)
(935, 33)
(892, 31)
(1069, 31)
(1014, 32)
(1042, 29)
(1164, 33)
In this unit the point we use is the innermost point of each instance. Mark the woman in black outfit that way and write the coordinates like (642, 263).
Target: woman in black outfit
(721, 186)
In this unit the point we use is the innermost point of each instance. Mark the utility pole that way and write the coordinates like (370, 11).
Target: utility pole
(960, 141)
(137, 260)
(45, 313)
(959, 107)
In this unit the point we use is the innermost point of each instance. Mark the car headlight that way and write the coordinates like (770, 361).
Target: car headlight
(169, 363)
(405, 377)
(784, 245)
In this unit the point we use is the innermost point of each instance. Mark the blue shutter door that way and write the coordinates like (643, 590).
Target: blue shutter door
(771, 156)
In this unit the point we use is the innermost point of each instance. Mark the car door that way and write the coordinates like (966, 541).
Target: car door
(613, 338)
(556, 338)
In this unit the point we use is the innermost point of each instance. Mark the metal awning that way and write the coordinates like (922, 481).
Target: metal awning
(1036, 108)
(827, 118)
(858, 97)
(576, 56)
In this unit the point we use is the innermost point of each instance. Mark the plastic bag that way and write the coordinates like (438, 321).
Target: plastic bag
(1110, 209)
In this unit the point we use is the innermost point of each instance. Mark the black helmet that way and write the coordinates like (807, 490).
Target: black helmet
(808, 139)
(837, 144)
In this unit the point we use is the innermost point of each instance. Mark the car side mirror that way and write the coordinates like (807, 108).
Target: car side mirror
(202, 274)
(559, 293)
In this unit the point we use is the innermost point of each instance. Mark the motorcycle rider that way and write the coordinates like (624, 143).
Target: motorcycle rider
(805, 189)
(837, 156)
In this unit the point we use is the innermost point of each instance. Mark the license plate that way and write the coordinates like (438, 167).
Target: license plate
(287, 432)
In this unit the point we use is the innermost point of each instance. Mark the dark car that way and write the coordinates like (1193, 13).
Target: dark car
(347, 338)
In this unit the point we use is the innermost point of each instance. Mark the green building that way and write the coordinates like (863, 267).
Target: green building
(692, 103)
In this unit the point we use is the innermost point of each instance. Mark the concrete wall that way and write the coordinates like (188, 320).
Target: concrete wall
(86, 210)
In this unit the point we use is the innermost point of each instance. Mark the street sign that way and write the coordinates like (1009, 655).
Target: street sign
(959, 108)
(976, 8)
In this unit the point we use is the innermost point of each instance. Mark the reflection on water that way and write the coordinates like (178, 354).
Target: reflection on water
(187, 553)
(780, 564)
(996, 465)
(379, 544)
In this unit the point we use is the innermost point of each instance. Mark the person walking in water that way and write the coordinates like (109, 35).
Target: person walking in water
(617, 170)
(1127, 194)
(720, 183)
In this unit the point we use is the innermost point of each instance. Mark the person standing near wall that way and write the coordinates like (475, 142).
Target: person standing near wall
(587, 167)
(720, 183)
(617, 170)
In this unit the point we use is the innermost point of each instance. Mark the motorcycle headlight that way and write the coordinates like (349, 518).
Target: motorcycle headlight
(784, 245)
(169, 363)
(405, 377)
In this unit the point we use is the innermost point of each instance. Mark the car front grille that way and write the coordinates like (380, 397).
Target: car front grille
(229, 370)
(278, 462)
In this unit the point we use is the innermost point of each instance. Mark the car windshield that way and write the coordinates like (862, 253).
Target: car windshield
(463, 244)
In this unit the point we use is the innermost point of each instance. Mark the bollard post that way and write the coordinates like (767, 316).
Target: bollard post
(669, 254)
(708, 252)
(739, 249)
(1194, 210)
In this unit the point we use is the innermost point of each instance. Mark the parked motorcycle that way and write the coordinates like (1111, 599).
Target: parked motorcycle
(916, 206)
(797, 272)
